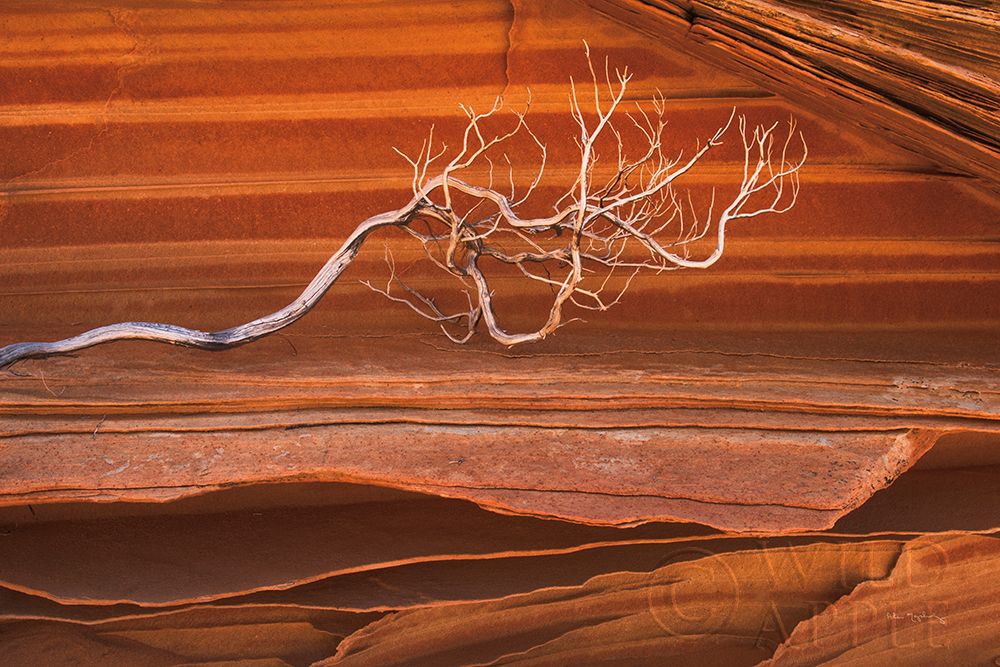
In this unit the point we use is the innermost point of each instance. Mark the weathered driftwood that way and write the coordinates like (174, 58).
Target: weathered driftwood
(597, 226)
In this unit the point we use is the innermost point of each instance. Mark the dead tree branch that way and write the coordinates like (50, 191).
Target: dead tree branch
(614, 221)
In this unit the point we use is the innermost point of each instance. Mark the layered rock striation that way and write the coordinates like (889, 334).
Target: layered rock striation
(791, 458)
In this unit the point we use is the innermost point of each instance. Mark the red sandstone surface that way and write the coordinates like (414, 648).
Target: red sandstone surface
(792, 458)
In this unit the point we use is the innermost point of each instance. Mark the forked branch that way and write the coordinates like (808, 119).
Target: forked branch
(615, 220)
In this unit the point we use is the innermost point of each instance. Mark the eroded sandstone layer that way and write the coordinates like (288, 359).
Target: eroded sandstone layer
(790, 458)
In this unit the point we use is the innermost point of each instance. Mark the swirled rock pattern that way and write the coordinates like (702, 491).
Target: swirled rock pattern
(790, 459)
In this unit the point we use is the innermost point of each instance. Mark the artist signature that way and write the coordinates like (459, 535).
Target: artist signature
(916, 617)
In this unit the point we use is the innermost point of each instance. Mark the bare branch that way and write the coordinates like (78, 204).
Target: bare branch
(599, 238)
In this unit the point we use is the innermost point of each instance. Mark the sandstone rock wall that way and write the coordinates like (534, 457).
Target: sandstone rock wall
(790, 457)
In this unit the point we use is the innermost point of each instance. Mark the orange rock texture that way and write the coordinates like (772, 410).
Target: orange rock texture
(925, 74)
(792, 458)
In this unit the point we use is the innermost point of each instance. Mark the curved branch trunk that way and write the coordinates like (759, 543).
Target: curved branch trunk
(226, 338)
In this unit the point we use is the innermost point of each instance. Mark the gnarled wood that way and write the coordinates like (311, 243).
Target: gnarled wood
(637, 203)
